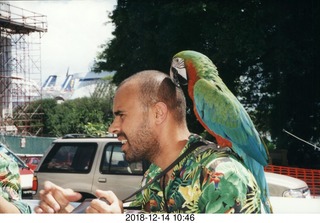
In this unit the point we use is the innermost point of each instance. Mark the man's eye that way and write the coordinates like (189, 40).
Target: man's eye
(119, 114)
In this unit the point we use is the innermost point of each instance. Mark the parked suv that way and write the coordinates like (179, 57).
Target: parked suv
(87, 164)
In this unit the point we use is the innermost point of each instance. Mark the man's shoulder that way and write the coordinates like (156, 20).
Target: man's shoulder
(208, 148)
(222, 160)
(208, 152)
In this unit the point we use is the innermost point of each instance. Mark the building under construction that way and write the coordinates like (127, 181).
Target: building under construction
(20, 69)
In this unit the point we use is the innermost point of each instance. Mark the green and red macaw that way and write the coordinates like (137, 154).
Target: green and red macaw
(221, 114)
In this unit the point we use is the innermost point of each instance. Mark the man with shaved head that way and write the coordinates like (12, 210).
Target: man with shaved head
(150, 121)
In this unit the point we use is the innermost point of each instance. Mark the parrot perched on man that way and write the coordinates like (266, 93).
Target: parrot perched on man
(221, 114)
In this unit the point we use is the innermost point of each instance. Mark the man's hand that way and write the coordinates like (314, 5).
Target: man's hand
(54, 199)
(99, 206)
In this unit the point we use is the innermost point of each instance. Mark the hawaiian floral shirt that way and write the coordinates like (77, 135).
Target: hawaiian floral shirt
(10, 187)
(208, 180)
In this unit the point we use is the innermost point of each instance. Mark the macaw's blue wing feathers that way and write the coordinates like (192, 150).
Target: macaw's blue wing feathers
(224, 115)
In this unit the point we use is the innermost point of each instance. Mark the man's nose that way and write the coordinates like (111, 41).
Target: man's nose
(114, 127)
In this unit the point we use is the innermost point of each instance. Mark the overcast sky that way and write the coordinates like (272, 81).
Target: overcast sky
(76, 29)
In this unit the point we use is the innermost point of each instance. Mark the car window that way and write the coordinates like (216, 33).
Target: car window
(114, 162)
(70, 157)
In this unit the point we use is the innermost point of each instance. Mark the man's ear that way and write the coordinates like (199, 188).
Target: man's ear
(160, 112)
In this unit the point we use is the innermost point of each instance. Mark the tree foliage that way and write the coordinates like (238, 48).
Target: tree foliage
(265, 51)
(88, 115)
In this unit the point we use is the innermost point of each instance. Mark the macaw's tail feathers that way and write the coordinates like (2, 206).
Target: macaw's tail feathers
(258, 172)
(266, 148)
(255, 148)
(267, 206)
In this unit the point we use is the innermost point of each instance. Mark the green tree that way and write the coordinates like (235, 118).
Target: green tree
(45, 106)
(88, 115)
(72, 116)
(265, 51)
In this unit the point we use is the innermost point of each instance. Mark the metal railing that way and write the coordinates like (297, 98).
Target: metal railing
(12, 15)
(310, 176)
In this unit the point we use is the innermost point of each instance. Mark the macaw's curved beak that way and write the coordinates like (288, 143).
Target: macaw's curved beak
(179, 78)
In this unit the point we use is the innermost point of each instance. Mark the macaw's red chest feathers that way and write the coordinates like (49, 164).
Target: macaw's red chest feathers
(192, 77)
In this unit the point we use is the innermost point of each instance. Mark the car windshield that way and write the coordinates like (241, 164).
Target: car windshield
(20, 163)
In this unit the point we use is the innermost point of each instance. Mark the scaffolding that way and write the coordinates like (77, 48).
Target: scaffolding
(20, 69)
